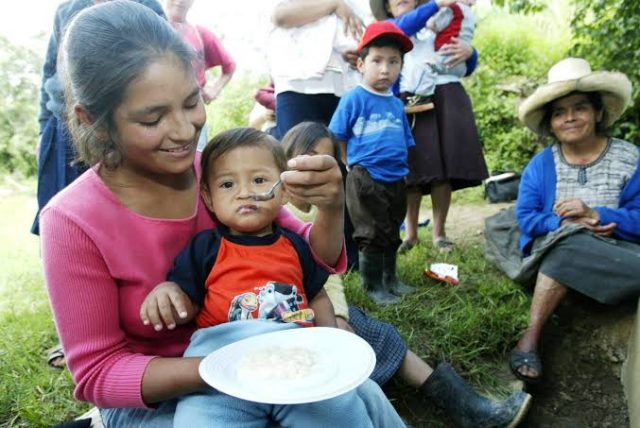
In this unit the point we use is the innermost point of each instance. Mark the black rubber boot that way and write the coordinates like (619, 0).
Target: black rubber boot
(389, 276)
(371, 278)
(469, 409)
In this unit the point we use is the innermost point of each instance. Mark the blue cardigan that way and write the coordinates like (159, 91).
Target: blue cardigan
(537, 194)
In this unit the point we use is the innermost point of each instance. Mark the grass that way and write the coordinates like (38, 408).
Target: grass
(472, 325)
(31, 393)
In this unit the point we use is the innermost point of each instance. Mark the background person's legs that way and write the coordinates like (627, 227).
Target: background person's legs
(440, 202)
(414, 197)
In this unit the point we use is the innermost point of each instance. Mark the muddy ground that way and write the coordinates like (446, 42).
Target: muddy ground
(583, 348)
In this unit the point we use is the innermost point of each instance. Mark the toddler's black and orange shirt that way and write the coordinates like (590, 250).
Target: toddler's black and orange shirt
(234, 277)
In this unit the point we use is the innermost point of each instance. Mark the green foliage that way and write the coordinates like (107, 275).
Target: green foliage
(515, 54)
(231, 109)
(522, 6)
(606, 34)
(19, 71)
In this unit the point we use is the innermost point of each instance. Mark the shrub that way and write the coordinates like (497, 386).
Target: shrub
(606, 35)
(515, 53)
(231, 109)
(19, 80)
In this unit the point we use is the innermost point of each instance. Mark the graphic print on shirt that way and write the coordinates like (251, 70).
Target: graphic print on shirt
(376, 123)
(242, 306)
(272, 301)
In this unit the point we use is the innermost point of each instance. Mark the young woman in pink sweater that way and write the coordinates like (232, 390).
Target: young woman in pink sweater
(136, 114)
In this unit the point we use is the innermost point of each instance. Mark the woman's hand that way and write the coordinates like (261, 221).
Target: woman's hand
(575, 208)
(352, 24)
(167, 304)
(316, 180)
(351, 57)
(456, 52)
(593, 225)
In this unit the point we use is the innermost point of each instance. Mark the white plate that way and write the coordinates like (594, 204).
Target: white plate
(342, 362)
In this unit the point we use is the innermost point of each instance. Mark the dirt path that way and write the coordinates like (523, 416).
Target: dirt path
(583, 347)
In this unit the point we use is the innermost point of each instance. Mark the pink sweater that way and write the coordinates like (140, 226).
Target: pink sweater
(100, 261)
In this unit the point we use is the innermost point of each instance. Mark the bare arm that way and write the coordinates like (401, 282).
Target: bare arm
(323, 310)
(167, 378)
(343, 152)
(318, 181)
(296, 13)
(211, 92)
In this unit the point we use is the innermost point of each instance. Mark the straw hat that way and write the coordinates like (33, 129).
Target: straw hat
(574, 74)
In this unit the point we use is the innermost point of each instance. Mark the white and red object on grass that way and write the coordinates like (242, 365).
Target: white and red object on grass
(443, 272)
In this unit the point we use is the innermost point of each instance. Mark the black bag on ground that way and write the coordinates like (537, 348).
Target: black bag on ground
(502, 186)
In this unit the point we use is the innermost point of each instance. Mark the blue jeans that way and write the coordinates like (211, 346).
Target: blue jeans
(293, 108)
(161, 417)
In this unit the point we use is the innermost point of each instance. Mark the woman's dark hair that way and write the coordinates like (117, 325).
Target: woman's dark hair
(302, 138)
(226, 141)
(381, 42)
(594, 98)
(105, 48)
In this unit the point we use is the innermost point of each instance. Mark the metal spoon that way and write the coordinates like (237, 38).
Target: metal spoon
(266, 196)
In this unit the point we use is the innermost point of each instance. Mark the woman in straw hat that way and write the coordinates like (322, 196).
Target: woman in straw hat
(578, 206)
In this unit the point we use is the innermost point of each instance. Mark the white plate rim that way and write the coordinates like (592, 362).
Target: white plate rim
(366, 363)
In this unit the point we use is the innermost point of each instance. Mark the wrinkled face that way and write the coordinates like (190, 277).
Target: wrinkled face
(573, 119)
(157, 125)
(380, 68)
(177, 9)
(234, 178)
(399, 7)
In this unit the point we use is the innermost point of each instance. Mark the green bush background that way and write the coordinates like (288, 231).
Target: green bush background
(518, 42)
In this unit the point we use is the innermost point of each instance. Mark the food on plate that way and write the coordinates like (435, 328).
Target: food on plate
(277, 363)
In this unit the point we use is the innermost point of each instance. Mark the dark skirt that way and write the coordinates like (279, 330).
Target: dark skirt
(56, 164)
(447, 143)
(607, 270)
(385, 340)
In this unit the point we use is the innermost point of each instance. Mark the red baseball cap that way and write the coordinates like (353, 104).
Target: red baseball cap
(385, 28)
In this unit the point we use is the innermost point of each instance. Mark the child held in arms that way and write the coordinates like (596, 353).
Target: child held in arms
(246, 269)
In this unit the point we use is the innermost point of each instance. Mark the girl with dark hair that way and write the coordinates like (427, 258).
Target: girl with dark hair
(136, 114)
(56, 155)
(442, 385)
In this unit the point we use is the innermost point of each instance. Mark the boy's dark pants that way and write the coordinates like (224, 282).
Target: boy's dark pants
(377, 210)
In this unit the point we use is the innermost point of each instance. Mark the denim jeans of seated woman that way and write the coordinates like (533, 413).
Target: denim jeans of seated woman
(366, 406)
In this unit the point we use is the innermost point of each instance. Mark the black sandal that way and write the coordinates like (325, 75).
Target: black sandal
(55, 357)
(519, 359)
(444, 245)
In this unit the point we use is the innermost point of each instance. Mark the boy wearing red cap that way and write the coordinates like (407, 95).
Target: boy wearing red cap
(375, 137)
